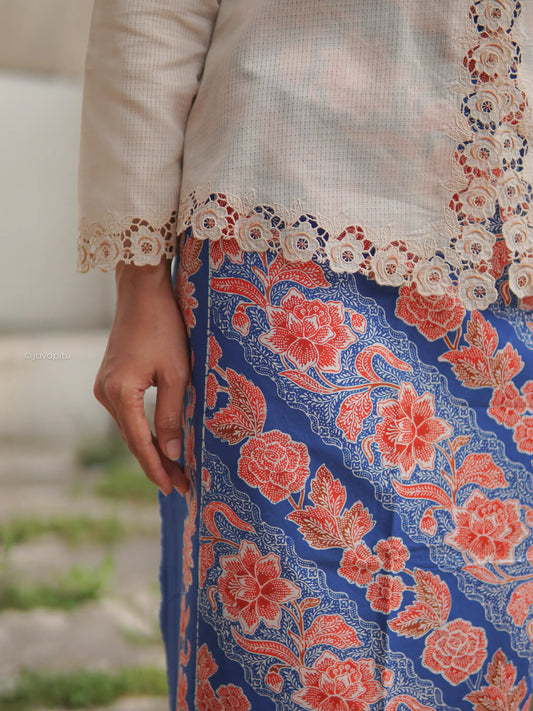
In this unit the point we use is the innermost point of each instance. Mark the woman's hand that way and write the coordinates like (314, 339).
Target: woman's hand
(147, 346)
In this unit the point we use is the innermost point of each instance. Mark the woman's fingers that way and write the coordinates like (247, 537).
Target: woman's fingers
(168, 411)
(175, 473)
(133, 422)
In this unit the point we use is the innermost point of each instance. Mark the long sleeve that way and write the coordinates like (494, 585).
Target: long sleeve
(144, 63)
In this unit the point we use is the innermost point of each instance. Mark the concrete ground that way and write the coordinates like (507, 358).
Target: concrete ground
(119, 630)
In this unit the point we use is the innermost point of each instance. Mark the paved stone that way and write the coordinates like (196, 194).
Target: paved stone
(118, 631)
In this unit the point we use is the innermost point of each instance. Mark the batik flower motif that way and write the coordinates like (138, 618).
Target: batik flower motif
(392, 553)
(359, 565)
(433, 316)
(334, 684)
(527, 391)
(385, 593)
(487, 530)
(275, 464)
(507, 405)
(310, 333)
(456, 651)
(184, 290)
(206, 699)
(523, 435)
(251, 588)
(233, 698)
(225, 247)
(409, 431)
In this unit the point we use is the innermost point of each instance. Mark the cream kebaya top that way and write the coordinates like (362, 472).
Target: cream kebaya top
(388, 137)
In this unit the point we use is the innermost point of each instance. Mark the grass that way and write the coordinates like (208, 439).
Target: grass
(74, 530)
(121, 476)
(82, 689)
(124, 480)
(68, 590)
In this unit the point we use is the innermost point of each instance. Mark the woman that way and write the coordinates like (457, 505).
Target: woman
(349, 524)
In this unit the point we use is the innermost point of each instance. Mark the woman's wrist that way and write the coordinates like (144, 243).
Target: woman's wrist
(130, 278)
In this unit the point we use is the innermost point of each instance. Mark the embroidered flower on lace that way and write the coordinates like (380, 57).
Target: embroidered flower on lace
(300, 243)
(521, 277)
(253, 233)
(475, 244)
(518, 235)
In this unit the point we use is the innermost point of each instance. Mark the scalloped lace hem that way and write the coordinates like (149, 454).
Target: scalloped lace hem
(436, 266)
(133, 240)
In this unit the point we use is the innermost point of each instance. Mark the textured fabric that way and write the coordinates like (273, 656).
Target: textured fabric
(385, 137)
(358, 532)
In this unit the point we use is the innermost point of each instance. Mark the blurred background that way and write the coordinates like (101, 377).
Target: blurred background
(79, 525)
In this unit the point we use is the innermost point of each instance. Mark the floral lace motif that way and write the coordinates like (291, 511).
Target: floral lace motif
(487, 223)
(131, 240)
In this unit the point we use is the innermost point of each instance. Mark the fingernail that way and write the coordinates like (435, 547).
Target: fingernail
(173, 448)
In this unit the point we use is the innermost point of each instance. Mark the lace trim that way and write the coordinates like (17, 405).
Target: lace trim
(488, 217)
(132, 240)
(486, 224)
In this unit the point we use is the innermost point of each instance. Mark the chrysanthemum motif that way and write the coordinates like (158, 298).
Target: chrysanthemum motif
(492, 57)
(334, 684)
(108, 252)
(486, 105)
(251, 588)
(512, 191)
(512, 145)
(409, 430)
(479, 200)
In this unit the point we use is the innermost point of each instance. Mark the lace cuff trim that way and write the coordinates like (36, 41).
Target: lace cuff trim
(132, 240)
